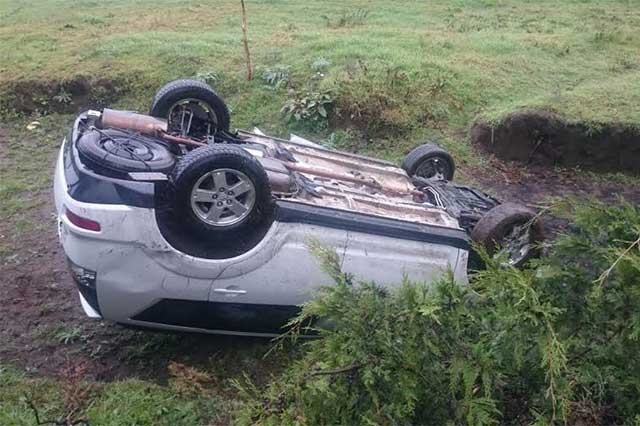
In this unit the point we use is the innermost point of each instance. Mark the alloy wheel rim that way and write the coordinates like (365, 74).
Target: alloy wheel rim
(223, 197)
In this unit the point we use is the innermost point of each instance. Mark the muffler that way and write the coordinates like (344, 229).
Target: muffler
(144, 124)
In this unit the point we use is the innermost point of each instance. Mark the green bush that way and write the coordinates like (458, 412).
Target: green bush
(554, 343)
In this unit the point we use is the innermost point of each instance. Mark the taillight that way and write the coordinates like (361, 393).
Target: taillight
(81, 222)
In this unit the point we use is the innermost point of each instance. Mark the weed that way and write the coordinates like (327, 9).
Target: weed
(75, 391)
(320, 65)
(347, 19)
(277, 77)
(68, 335)
(624, 63)
(209, 77)
(189, 382)
(347, 140)
(93, 20)
(310, 107)
(63, 97)
(605, 36)
(149, 344)
(46, 308)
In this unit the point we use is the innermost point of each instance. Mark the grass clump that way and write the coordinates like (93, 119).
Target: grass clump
(555, 343)
(384, 99)
(347, 19)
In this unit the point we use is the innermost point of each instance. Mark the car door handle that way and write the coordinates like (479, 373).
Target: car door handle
(228, 291)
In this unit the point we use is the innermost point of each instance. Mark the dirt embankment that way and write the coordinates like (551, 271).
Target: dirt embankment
(543, 138)
(69, 96)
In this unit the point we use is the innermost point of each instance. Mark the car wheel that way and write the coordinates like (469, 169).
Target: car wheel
(192, 109)
(512, 228)
(124, 152)
(429, 161)
(222, 191)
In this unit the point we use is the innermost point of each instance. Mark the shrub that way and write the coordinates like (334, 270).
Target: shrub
(554, 343)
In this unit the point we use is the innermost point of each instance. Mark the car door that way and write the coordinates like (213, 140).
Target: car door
(263, 298)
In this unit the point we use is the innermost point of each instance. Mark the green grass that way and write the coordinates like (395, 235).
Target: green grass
(128, 402)
(578, 57)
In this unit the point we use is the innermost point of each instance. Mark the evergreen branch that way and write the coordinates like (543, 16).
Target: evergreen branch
(342, 370)
(607, 272)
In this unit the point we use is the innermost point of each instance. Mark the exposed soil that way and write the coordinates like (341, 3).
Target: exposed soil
(542, 138)
(69, 96)
(535, 185)
(43, 327)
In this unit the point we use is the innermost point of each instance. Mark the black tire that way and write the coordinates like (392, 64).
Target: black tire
(415, 163)
(179, 90)
(195, 166)
(500, 221)
(121, 151)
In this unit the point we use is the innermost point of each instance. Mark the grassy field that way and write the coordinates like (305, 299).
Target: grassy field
(395, 71)
(486, 57)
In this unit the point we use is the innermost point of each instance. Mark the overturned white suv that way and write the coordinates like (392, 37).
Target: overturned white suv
(169, 220)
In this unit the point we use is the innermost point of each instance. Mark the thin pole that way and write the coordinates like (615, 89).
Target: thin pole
(246, 42)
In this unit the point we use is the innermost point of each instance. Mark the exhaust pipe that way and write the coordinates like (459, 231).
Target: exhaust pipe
(133, 121)
(141, 123)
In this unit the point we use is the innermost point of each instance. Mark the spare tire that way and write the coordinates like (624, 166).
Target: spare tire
(512, 228)
(123, 152)
(220, 192)
(192, 109)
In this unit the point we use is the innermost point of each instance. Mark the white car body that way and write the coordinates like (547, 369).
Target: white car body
(141, 280)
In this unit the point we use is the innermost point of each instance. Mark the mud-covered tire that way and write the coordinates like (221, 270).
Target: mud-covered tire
(497, 224)
(201, 167)
(178, 90)
(421, 159)
(121, 151)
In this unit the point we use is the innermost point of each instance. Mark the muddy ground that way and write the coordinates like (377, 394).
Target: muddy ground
(43, 328)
